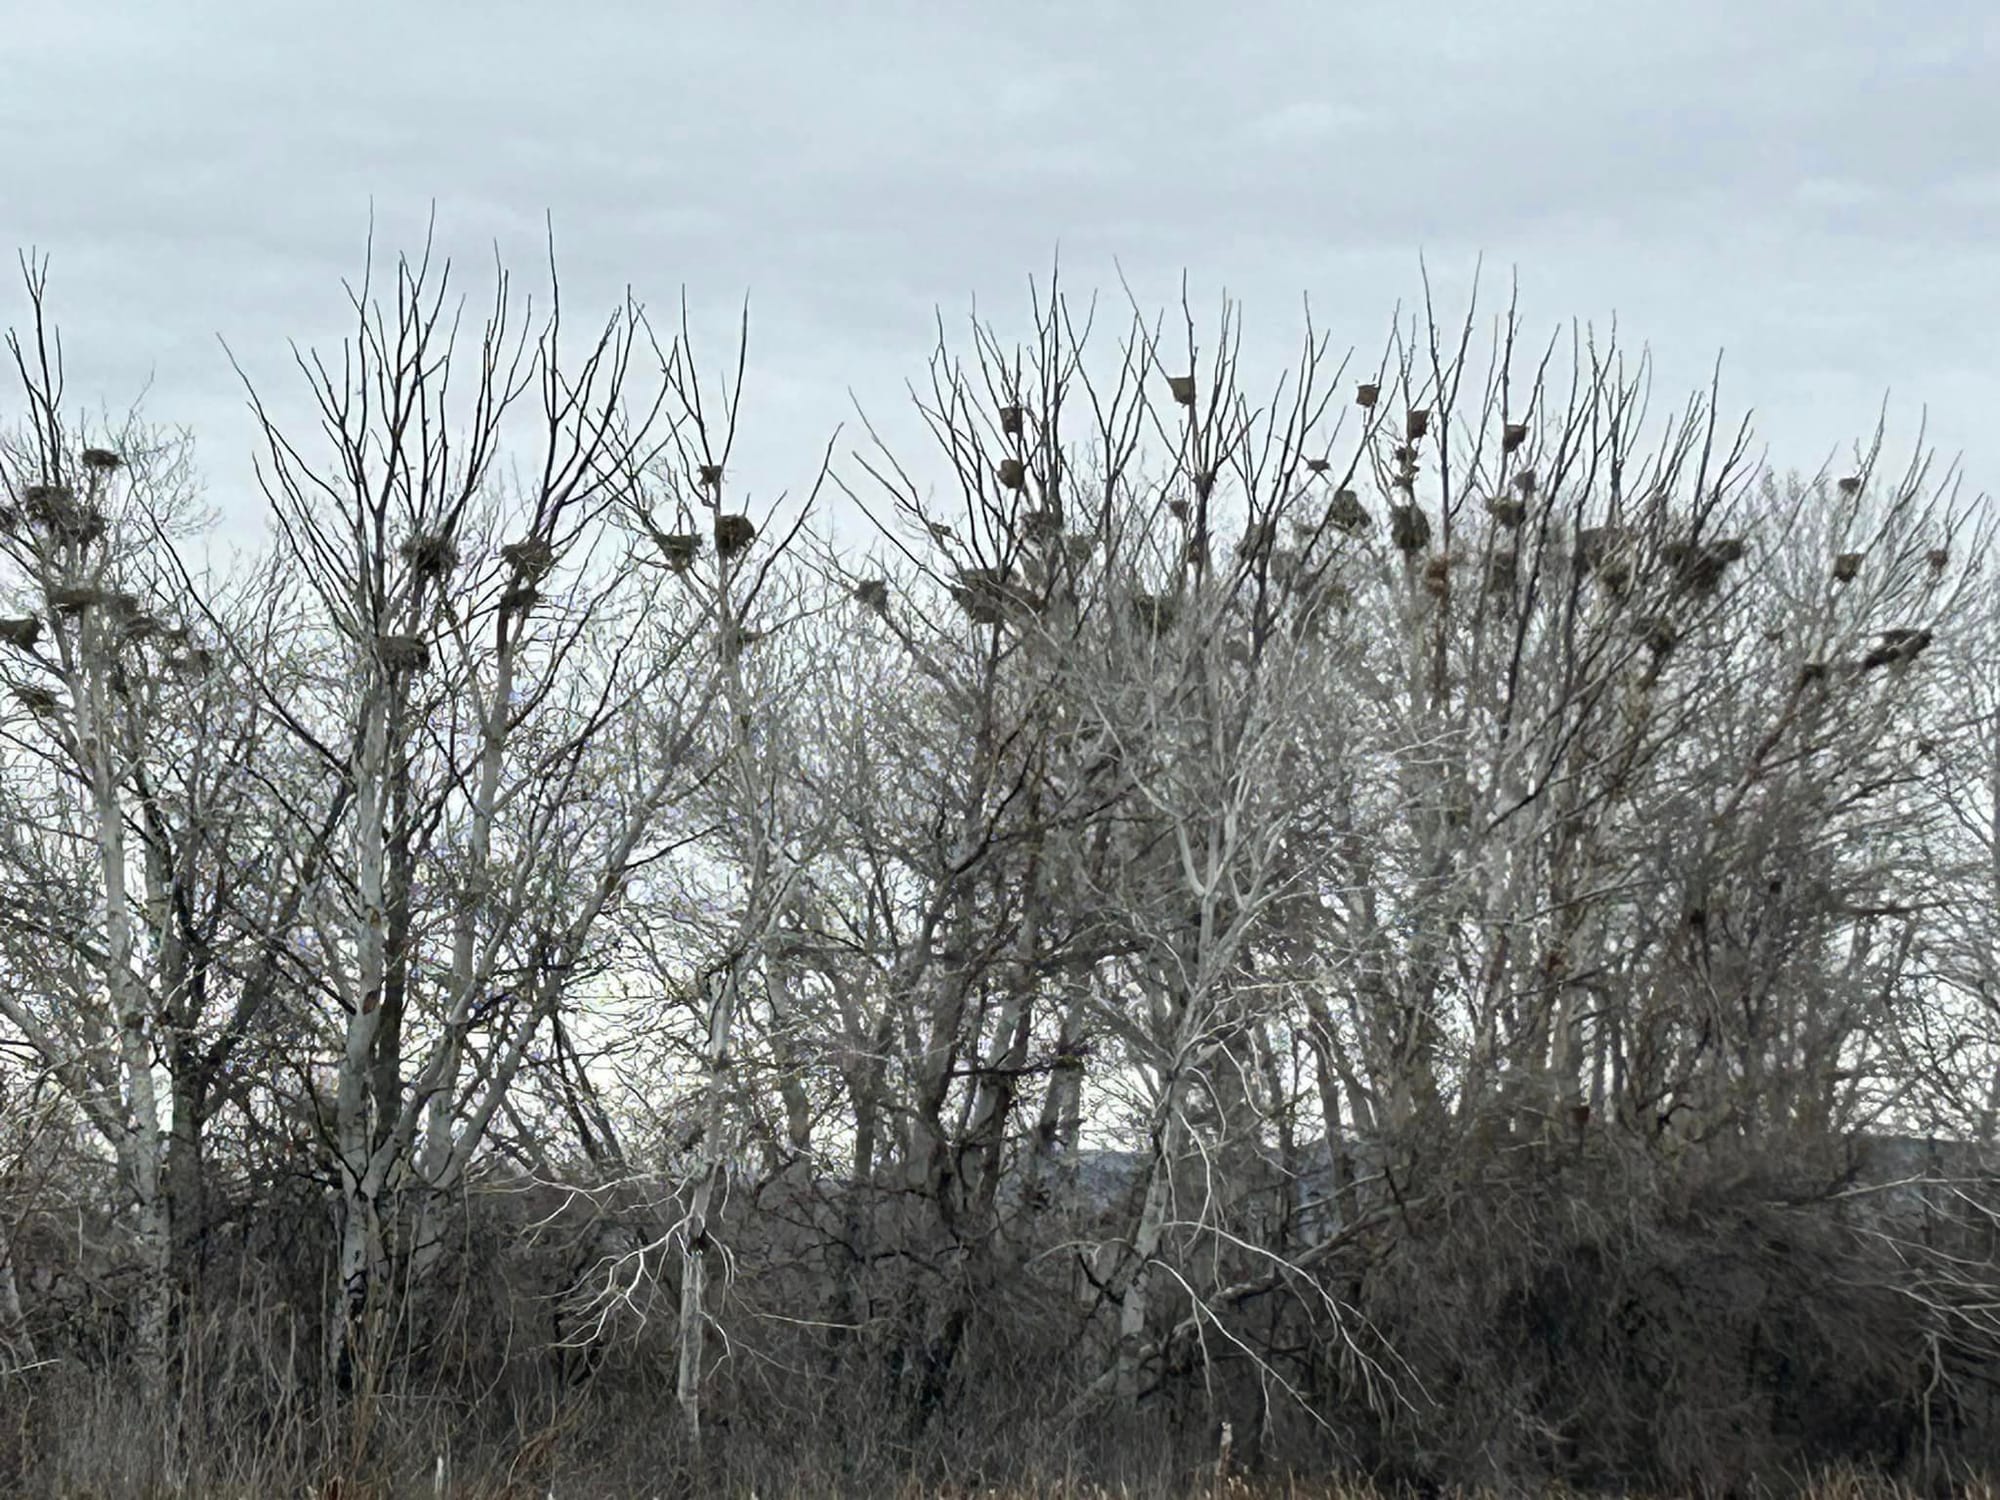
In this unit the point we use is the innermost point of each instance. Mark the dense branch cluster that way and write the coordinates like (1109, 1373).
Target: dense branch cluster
(1388, 913)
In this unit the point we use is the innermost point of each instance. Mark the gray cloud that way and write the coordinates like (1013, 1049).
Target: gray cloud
(1809, 187)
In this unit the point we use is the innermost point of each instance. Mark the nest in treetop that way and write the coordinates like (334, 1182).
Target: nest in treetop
(874, 593)
(1847, 567)
(1010, 420)
(1316, 466)
(1178, 509)
(1512, 436)
(1437, 575)
(22, 632)
(1366, 394)
(403, 653)
(532, 557)
(1898, 648)
(1155, 612)
(1849, 485)
(1659, 635)
(72, 598)
(1938, 557)
(137, 625)
(1700, 566)
(1525, 481)
(982, 593)
(1595, 546)
(1013, 474)
(1183, 388)
(429, 556)
(1347, 513)
(680, 549)
(101, 460)
(711, 476)
(1416, 424)
(1509, 513)
(733, 534)
(41, 498)
(36, 700)
(1409, 528)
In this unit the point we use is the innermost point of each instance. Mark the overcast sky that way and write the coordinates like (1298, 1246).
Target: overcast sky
(1809, 187)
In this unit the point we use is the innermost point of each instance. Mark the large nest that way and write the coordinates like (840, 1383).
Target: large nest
(1409, 528)
(984, 594)
(22, 632)
(1155, 613)
(1346, 513)
(429, 555)
(531, 558)
(403, 653)
(1699, 566)
(680, 549)
(733, 534)
(74, 598)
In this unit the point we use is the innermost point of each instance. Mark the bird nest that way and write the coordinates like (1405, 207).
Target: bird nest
(733, 534)
(1155, 612)
(1013, 474)
(1347, 513)
(874, 594)
(1259, 539)
(403, 653)
(36, 700)
(22, 632)
(1509, 513)
(1899, 648)
(1366, 394)
(1010, 420)
(74, 598)
(429, 555)
(1512, 436)
(1847, 567)
(531, 558)
(1043, 525)
(983, 594)
(680, 549)
(1699, 566)
(1597, 545)
(101, 460)
(1409, 529)
(1437, 575)
(1416, 424)
(1182, 387)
